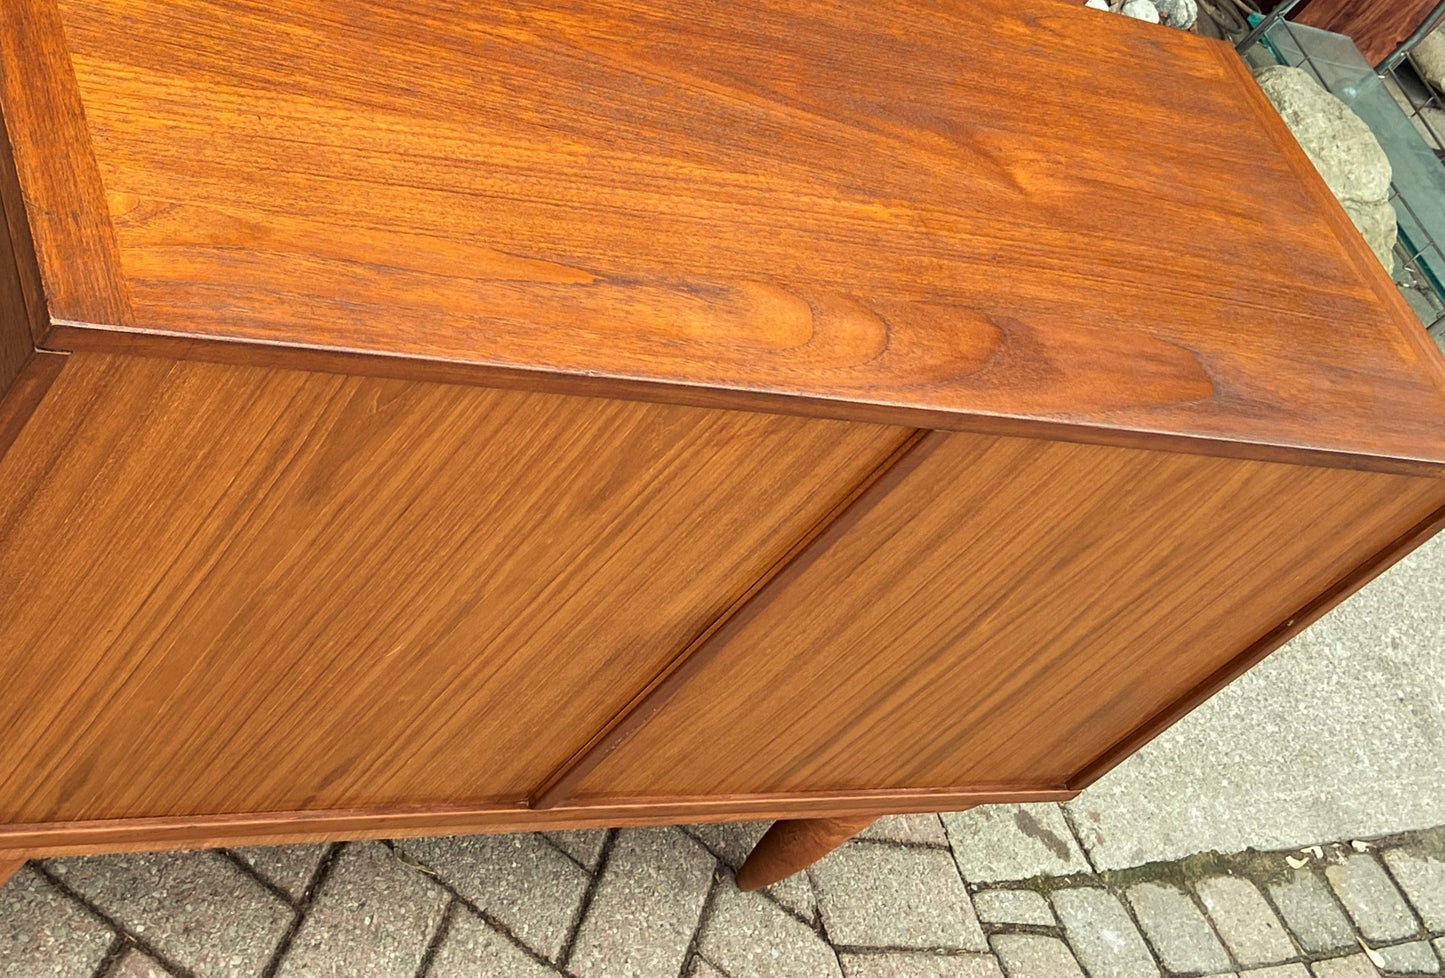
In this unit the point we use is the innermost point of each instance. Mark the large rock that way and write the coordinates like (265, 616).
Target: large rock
(1140, 10)
(1342, 148)
(1429, 58)
(1178, 13)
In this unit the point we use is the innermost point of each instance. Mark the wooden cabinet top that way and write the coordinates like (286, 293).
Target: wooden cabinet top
(1013, 216)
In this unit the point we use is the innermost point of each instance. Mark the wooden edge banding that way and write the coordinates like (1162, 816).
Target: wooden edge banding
(81, 337)
(74, 239)
(275, 828)
(34, 319)
(1272, 640)
(26, 393)
(1405, 320)
(701, 650)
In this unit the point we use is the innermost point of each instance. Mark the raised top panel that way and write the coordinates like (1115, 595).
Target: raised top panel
(1008, 215)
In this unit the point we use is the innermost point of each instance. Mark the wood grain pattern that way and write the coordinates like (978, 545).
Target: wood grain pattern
(799, 200)
(8, 868)
(65, 202)
(238, 590)
(137, 834)
(1011, 610)
(16, 342)
(559, 788)
(1376, 26)
(1348, 584)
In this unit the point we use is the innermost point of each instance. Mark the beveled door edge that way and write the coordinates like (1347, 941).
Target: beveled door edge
(560, 786)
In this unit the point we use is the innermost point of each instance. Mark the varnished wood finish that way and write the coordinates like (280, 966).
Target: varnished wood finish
(795, 200)
(1376, 26)
(118, 835)
(801, 410)
(791, 845)
(8, 868)
(1348, 584)
(1010, 610)
(74, 236)
(650, 701)
(298, 591)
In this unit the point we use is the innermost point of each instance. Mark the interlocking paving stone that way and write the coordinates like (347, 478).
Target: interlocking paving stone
(1013, 907)
(1371, 899)
(135, 964)
(198, 909)
(1035, 956)
(1414, 958)
(373, 916)
(1102, 934)
(889, 896)
(923, 830)
(748, 935)
(918, 964)
(1177, 931)
(1243, 918)
(732, 841)
(530, 887)
(1349, 966)
(289, 868)
(1278, 971)
(646, 906)
(1423, 879)
(1311, 912)
(43, 934)
(997, 843)
(583, 845)
(472, 949)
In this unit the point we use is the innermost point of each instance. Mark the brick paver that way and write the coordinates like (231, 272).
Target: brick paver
(646, 907)
(288, 868)
(197, 909)
(895, 896)
(1311, 912)
(1244, 920)
(373, 916)
(473, 949)
(918, 964)
(1102, 934)
(1422, 876)
(528, 885)
(45, 935)
(1371, 898)
(1035, 956)
(661, 903)
(748, 934)
(1013, 907)
(1178, 932)
(732, 841)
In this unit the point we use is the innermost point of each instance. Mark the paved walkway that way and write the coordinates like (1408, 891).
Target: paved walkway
(902, 902)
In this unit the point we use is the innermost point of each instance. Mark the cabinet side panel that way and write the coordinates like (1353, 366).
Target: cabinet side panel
(251, 590)
(1012, 610)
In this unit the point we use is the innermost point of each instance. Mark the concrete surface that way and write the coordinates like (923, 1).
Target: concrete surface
(1341, 733)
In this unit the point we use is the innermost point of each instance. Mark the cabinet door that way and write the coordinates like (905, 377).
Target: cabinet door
(1008, 613)
(229, 589)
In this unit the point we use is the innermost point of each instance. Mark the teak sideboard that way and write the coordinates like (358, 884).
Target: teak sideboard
(425, 418)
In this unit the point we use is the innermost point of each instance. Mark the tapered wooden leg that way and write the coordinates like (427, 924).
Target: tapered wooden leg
(794, 844)
(8, 868)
